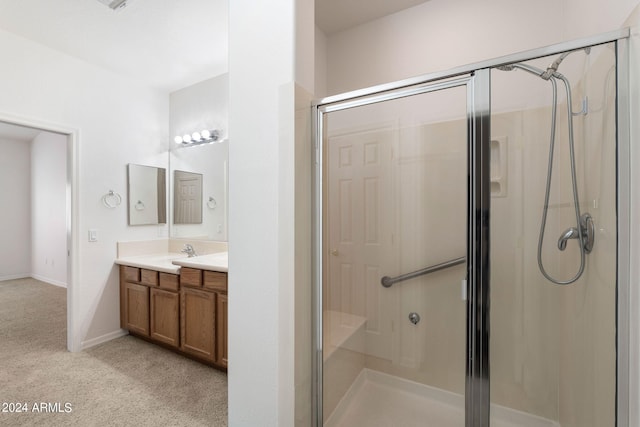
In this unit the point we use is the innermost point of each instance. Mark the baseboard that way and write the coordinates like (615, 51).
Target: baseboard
(49, 281)
(15, 276)
(104, 338)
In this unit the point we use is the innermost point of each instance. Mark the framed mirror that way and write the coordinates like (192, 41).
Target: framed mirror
(147, 195)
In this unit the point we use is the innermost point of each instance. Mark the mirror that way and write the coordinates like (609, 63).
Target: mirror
(187, 197)
(201, 106)
(147, 195)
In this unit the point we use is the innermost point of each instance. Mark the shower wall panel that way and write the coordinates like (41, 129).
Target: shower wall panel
(587, 384)
(553, 346)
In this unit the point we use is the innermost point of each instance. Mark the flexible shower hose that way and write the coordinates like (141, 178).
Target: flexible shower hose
(576, 202)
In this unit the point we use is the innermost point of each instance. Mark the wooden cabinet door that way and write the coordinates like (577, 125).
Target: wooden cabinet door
(136, 311)
(221, 329)
(165, 318)
(197, 323)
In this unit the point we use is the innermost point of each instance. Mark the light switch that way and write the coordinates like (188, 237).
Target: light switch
(93, 235)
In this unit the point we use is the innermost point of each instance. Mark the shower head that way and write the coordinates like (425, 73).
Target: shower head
(553, 68)
(525, 67)
(551, 71)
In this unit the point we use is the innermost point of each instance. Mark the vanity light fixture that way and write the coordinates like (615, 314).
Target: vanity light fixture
(198, 138)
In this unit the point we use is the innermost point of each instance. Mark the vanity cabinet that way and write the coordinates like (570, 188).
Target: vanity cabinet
(217, 282)
(221, 329)
(203, 315)
(136, 308)
(149, 304)
(186, 312)
(164, 316)
(165, 310)
(134, 302)
(197, 323)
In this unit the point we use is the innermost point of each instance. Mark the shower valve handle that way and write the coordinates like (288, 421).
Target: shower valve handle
(569, 233)
(586, 228)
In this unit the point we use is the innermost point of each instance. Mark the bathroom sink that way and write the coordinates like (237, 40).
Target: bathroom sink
(218, 261)
(159, 262)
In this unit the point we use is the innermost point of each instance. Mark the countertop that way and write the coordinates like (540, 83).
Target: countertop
(214, 262)
(171, 262)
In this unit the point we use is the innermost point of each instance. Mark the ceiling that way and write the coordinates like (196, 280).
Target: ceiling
(337, 15)
(167, 44)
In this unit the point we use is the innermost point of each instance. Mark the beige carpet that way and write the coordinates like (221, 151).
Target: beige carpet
(124, 382)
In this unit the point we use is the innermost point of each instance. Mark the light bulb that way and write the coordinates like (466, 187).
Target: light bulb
(186, 138)
(178, 139)
(205, 134)
(195, 136)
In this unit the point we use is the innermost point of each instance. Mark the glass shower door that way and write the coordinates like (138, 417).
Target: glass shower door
(394, 247)
(553, 338)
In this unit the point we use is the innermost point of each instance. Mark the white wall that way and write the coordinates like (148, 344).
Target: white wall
(262, 196)
(49, 208)
(439, 35)
(119, 121)
(260, 63)
(583, 18)
(320, 63)
(204, 105)
(15, 223)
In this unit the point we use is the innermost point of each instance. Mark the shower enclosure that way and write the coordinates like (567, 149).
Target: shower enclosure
(471, 245)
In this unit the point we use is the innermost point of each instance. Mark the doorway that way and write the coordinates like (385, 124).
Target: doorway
(61, 269)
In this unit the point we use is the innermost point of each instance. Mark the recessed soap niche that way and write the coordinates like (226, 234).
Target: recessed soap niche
(499, 166)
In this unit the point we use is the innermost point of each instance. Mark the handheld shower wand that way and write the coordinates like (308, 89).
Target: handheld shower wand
(584, 231)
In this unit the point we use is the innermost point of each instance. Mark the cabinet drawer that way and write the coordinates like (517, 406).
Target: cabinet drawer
(169, 281)
(131, 274)
(148, 277)
(215, 280)
(190, 277)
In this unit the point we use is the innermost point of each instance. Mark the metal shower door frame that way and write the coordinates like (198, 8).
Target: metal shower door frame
(477, 78)
(478, 118)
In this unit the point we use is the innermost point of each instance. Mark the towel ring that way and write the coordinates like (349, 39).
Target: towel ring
(139, 206)
(211, 203)
(111, 199)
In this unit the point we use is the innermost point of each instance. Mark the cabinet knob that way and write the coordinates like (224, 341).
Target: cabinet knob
(334, 252)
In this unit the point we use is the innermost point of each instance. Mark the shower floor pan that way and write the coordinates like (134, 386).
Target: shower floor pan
(380, 400)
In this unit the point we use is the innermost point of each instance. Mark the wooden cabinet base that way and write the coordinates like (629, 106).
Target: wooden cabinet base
(185, 313)
(180, 352)
(197, 323)
(164, 316)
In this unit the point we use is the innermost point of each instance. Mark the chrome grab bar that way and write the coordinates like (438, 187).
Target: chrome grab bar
(387, 281)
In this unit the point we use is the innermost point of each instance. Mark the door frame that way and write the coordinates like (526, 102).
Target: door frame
(477, 396)
(74, 340)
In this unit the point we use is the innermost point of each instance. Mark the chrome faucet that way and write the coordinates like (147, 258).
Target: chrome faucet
(569, 233)
(188, 249)
(587, 229)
